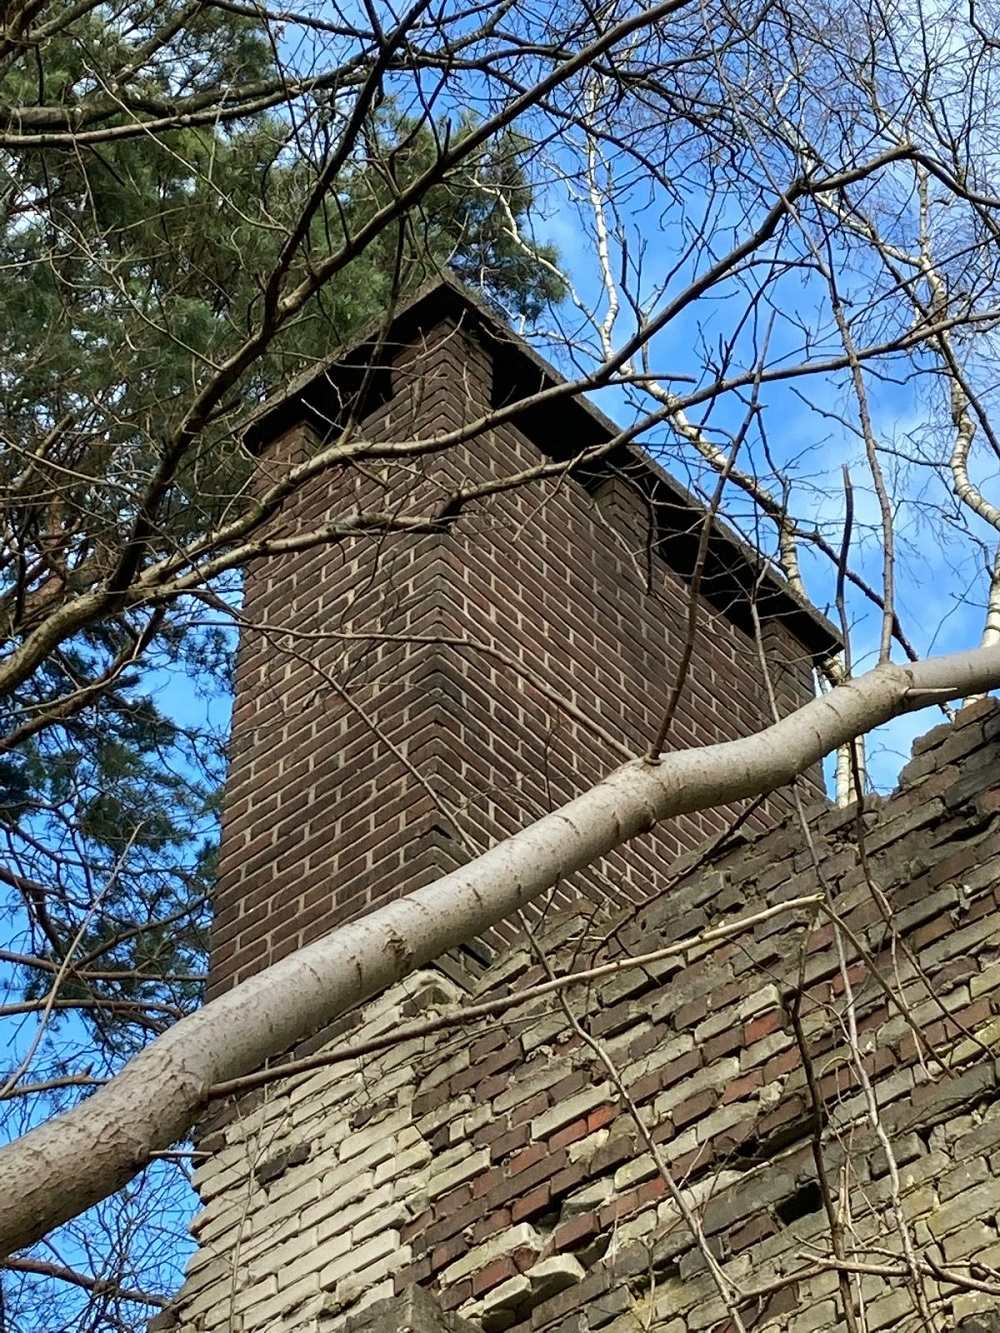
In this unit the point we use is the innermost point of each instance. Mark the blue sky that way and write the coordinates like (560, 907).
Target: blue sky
(940, 588)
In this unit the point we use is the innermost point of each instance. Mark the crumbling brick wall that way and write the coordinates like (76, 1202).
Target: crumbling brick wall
(496, 1165)
(364, 767)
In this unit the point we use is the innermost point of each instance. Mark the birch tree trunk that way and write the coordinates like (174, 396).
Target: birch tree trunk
(62, 1167)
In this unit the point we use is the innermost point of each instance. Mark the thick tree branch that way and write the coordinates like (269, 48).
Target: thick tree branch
(60, 1168)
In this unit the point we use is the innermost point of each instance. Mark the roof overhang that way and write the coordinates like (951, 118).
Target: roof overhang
(562, 426)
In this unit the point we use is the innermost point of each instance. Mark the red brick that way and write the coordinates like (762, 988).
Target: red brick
(819, 939)
(524, 1259)
(536, 1152)
(763, 1026)
(856, 974)
(742, 1087)
(781, 1064)
(874, 1018)
(602, 1116)
(511, 1187)
(651, 1189)
(492, 1275)
(490, 1225)
(412, 1275)
(569, 1134)
(486, 1181)
(570, 1233)
(968, 1018)
(982, 906)
(618, 1208)
(631, 1200)
(535, 1202)
(448, 1204)
(838, 1082)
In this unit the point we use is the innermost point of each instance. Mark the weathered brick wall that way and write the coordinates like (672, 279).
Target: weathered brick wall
(361, 769)
(497, 1166)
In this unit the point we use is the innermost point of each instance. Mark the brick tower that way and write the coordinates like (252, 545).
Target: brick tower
(404, 700)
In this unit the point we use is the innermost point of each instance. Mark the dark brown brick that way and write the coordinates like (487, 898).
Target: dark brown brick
(508, 1142)
(782, 1064)
(529, 1109)
(340, 828)
(443, 1255)
(724, 1044)
(680, 1068)
(789, 1109)
(569, 1178)
(757, 1229)
(457, 1294)
(693, 1109)
(691, 1013)
(647, 1086)
(491, 1225)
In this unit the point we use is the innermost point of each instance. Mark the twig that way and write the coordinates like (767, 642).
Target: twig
(96, 1285)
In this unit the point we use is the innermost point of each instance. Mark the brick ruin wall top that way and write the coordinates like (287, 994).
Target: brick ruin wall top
(363, 768)
(497, 1165)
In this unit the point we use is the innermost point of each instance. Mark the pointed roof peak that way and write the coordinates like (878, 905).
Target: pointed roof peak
(560, 425)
